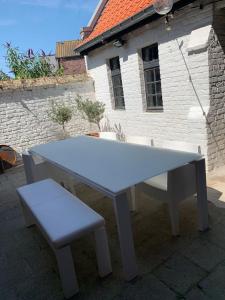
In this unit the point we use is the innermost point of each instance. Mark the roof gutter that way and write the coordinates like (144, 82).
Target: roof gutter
(142, 18)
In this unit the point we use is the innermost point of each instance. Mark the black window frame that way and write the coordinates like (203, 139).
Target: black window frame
(152, 78)
(117, 84)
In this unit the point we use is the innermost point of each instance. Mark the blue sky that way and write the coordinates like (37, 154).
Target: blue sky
(38, 24)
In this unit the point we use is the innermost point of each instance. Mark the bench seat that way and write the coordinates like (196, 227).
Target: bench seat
(61, 215)
(62, 218)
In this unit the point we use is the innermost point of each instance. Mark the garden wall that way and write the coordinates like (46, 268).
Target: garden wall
(216, 114)
(24, 107)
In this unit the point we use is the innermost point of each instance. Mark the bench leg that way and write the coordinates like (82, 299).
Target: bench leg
(67, 271)
(174, 217)
(27, 216)
(102, 252)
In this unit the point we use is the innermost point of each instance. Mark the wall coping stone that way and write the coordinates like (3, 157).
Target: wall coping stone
(28, 84)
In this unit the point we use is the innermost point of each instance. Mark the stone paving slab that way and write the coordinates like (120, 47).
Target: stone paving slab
(147, 287)
(204, 254)
(179, 273)
(190, 267)
(196, 294)
(40, 287)
(214, 284)
(216, 235)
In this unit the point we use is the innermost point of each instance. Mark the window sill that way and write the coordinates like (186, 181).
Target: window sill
(119, 109)
(155, 109)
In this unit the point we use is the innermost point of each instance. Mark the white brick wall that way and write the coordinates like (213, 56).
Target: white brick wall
(181, 118)
(24, 120)
(216, 114)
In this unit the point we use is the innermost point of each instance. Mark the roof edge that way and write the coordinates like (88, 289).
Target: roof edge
(116, 29)
(98, 10)
(143, 17)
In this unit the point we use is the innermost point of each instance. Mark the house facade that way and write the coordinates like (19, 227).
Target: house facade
(161, 77)
(70, 60)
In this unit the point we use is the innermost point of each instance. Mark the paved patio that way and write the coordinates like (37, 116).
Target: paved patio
(189, 267)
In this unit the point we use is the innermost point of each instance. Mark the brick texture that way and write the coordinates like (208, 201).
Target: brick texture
(216, 126)
(24, 110)
(73, 65)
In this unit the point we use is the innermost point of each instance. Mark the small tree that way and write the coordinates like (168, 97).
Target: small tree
(60, 114)
(93, 111)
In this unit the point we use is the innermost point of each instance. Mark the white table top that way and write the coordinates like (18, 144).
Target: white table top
(110, 165)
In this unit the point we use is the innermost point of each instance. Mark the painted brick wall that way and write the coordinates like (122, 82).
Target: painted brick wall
(181, 118)
(216, 127)
(73, 65)
(24, 107)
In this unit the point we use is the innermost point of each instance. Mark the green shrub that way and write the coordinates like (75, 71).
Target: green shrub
(93, 111)
(29, 65)
(60, 114)
(3, 76)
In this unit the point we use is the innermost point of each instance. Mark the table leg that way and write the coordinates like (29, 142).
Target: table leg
(122, 212)
(202, 195)
(131, 194)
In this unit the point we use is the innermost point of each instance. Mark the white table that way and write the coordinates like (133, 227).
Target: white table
(113, 167)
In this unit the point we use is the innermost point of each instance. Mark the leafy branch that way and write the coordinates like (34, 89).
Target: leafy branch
(3, 76)
(60, 114)
(93, 111)
(29, 65)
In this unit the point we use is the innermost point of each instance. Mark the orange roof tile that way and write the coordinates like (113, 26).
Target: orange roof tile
(115, 12)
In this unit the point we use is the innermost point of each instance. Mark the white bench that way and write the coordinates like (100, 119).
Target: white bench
(62, 218)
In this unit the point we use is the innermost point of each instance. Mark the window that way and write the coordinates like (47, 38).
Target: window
(152, 78)
(117, 83)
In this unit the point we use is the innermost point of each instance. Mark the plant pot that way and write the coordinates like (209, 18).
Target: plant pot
(94, 134)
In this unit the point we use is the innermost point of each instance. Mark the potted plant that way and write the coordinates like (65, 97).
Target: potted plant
(92, 111)
(60, 114)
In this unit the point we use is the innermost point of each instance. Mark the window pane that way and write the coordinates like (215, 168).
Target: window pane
(150, 101)
(119, 102)
(117, 80)
(155, 100)
(157, 74)
(149, 75)
(158, 87)
(151, 88)
(150, 53)
(114, 63)
(159, 100)
(155, 54)
(118, 92)
(121, 91)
